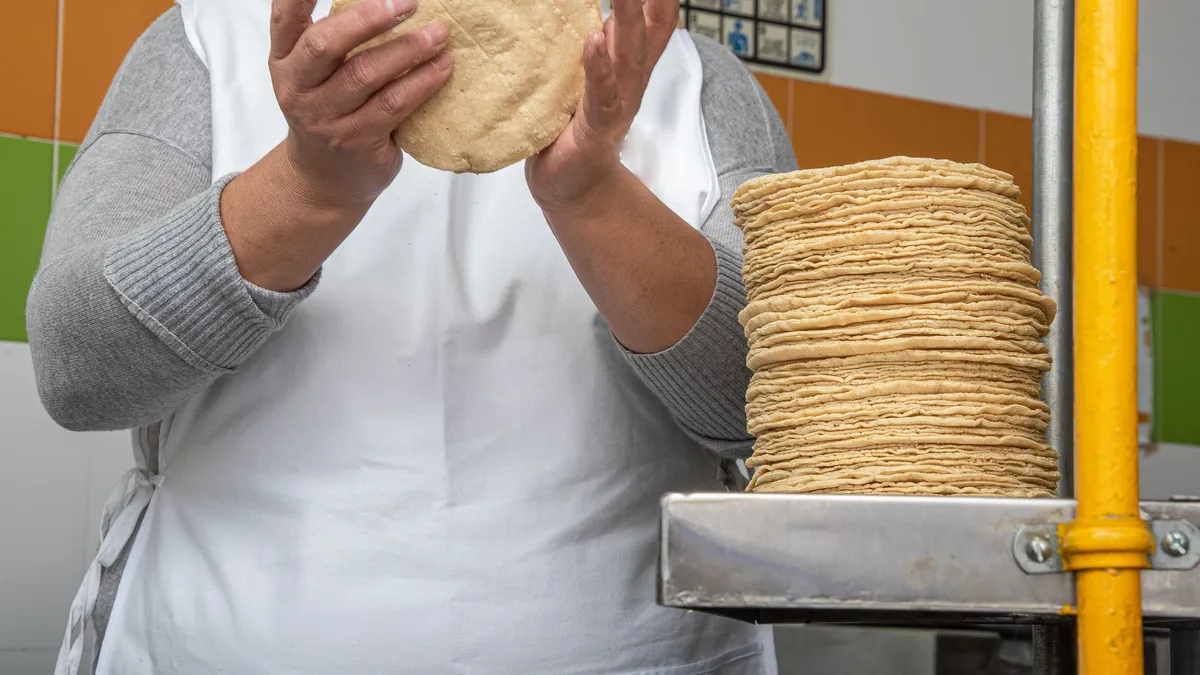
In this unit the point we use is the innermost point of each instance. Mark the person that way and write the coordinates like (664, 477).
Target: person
(738, 42)
(389, 419)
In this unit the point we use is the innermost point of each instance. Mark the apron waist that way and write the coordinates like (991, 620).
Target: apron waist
(122, 510)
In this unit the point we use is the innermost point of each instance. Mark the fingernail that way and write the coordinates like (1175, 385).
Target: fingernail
(435, 33)
(443, 61)
(401, 9)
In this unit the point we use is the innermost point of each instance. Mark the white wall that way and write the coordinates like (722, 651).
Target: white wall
(979, 53)
(53, 484)
(1171, 469)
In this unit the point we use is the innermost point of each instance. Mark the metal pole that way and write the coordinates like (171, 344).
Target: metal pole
(1053, 125)
(1185, 651)
(1108, 543)
(1053, 140)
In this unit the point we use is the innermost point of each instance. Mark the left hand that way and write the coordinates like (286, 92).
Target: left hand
(617, 65)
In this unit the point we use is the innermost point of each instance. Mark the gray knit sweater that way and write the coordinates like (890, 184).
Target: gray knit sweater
(138, 304)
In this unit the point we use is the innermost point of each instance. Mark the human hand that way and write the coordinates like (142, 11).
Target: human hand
(617, 64)
(287, 213)
(341, 112)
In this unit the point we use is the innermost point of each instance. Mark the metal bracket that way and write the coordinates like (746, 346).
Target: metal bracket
(1176, 547)
(1036, 549)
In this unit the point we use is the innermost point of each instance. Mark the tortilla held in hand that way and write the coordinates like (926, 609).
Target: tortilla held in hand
(518, 76)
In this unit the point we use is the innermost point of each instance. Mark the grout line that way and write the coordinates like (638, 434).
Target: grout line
(1157, 423)
(982, 137)
(88, 552)
(58, 78)
(791, 108)
(1160, 198)
(19, 137)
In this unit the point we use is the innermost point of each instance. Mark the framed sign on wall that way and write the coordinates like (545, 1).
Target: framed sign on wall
(787, 34)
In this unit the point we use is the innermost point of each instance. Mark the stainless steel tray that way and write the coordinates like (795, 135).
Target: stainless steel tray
(883, 560)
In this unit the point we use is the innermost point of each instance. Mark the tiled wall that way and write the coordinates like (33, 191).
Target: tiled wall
(58, 57)
(68, 51)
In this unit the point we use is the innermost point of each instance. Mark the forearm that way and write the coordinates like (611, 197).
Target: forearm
(280, 227)
(650, 274)
(702, 378)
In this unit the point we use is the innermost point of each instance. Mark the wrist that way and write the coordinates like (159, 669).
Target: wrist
(314, 189)
(280, 225)
(603, 187)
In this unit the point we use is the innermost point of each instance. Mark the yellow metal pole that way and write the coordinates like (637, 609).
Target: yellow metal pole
(1108, 543)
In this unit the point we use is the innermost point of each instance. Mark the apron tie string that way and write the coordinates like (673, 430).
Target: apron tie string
(119, 520)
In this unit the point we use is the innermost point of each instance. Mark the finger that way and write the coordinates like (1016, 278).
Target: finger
(289, 20)
(322, 48)
(601, 105)
(394, 103)
(662, 17)
(610, 34)
(366, 73)
(629, 45)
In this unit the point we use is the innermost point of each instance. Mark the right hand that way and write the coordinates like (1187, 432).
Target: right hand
(341, 113)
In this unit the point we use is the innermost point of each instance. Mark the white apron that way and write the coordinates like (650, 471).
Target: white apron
(442, 464)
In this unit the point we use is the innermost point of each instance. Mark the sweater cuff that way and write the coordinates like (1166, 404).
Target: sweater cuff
(276, 305)
(703, 377)
(179, 279)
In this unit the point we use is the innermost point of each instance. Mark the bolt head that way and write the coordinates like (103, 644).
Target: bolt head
(1039, 549)
(1176, 544)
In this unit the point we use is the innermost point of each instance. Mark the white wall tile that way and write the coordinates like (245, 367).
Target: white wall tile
(52, 484)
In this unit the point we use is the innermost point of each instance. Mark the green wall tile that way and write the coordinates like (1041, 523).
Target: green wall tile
(25, 175)
(66, 153)
(1176, 367)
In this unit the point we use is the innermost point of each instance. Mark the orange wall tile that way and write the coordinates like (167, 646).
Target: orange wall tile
(1008, 146)
(28, 42)
(834, 125)
(850, 125)
(1181, 221)
(96, 36)
(779, 90)
(1147, 215)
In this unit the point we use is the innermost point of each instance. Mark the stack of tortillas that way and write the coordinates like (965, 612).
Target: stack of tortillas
(894, 325)
(518, 75)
